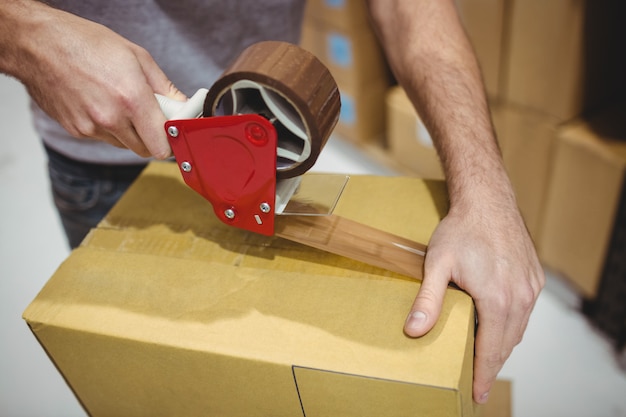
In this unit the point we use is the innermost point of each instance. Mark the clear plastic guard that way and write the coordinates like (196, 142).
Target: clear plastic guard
(310, 195)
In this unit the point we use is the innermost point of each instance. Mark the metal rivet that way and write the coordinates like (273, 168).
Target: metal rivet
(173, 131)
(185, 166)
(229, 213)
(265, 207)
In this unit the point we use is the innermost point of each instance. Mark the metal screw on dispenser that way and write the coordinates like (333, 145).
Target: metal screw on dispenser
(185, 166)
(229, 213)
(265, 207)
(172, 131)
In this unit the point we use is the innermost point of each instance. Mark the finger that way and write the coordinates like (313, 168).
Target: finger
(503, 318)
(490, 352)
(156, 78)
(429, 300)
(148, 119)
(148, 126)
(174, 93)
(131, 119)
(127, 138)
(113, 141)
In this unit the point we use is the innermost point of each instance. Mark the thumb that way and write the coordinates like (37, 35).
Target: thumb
(174, 93)
(428, 302)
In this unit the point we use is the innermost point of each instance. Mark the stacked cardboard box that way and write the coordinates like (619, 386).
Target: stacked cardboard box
(557, 59)
(485, 22)
(408, 140)
(340, 34)
(608, 310)
(584, 234)
(164, 310)
(565, 57)
(527, 139)
(563, 63)
(585, 191)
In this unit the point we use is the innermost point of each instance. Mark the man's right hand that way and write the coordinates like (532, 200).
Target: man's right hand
(95, 83)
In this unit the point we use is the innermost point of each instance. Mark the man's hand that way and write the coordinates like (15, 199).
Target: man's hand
(491, 256)
(482, 245)
(95, 83)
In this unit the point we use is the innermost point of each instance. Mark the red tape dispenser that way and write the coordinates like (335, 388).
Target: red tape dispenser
(266, 118)
(231, 161)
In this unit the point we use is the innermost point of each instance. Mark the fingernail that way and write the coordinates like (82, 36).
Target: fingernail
(416, 320)
(484, 398)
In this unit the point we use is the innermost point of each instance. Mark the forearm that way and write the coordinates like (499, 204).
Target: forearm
(482, 245)
(19, 20)
(433, 60)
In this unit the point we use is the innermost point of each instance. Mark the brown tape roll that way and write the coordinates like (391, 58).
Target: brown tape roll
(289, 86)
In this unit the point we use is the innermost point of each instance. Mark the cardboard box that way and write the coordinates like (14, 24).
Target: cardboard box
(500, 403)
(362, 116)
(344, 14)
(164, 311)
(408, 140)
(527, 139)
(354, 57)
(608, 310)
(358, 65)
(566, 56)
(485, 22)
(585, 189)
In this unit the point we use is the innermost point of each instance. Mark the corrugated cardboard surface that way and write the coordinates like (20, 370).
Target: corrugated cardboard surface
(362, 117)
(500, 401)
(586, 183)
(565, 56)
(608, 310)
(528, 139)
(165, 311)
(354, 57)
(345, 14)
(357, 62)
(485, 22)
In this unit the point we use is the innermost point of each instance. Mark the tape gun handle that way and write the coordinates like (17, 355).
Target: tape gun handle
(177, 110)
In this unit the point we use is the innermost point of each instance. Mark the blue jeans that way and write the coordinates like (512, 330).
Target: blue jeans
(84, 193)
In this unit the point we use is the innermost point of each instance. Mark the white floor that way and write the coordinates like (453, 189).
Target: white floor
(562, 368)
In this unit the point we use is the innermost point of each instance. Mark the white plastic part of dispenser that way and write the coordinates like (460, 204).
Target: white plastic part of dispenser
(190, 109)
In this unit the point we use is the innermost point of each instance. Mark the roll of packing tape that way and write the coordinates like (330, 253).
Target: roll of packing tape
(290, 87)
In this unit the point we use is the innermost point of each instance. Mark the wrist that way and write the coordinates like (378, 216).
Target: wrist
(19, 22)
(481, 185)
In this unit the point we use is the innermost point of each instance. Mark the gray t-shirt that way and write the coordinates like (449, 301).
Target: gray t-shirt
(191, 40)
